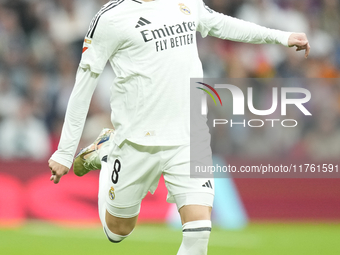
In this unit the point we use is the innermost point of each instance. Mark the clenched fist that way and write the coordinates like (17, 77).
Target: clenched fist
(57, 170)
(300, 41)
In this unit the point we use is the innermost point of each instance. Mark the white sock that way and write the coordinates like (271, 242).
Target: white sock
(195, 238)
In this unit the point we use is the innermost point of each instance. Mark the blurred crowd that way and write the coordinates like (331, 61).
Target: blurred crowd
(40, 48)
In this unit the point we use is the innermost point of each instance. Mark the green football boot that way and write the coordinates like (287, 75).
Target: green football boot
(88, 158)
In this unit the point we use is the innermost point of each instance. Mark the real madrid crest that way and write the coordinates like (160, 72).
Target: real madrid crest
(112, 193)
(184, 9)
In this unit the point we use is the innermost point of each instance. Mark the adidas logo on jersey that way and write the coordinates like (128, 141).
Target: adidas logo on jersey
(207, 185)
(142, 22)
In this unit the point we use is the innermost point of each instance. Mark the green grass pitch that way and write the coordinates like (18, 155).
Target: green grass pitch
(38, 238)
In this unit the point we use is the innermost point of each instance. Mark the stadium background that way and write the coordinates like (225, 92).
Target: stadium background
(40, 47)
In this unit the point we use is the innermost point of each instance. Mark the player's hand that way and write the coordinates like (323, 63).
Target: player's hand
(57, 171)
(300, 41)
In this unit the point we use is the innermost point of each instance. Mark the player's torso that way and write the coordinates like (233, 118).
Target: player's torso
(154, 63)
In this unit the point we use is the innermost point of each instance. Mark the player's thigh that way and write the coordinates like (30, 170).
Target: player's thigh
(117, 225)
(133, 170)
(193, 196)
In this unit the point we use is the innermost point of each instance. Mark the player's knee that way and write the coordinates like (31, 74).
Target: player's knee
(120, 228)
(117, 229)
(113, 237)
(195, 212)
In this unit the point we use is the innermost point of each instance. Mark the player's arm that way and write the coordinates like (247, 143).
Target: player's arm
(76, 113)
(99, 46)
(226, 27)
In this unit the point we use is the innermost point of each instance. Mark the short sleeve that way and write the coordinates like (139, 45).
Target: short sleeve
(101, 42)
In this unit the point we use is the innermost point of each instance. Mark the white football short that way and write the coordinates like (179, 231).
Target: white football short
(132, 170)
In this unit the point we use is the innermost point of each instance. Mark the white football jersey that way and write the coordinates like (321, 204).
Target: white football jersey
(152, 49)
